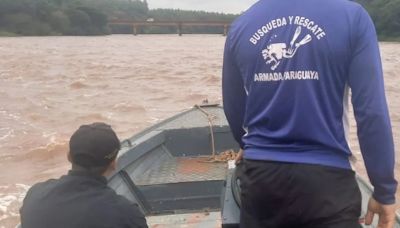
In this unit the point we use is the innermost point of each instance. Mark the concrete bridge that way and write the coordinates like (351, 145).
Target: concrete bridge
(178, 24)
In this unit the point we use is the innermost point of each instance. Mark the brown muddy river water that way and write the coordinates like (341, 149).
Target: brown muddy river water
(51, 85)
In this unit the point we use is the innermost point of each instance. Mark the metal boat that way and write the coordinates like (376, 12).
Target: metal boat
(169, 170)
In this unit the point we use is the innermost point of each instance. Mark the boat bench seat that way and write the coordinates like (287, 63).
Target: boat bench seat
(182, 169)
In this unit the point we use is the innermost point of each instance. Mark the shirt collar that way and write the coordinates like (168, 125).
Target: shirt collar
(87, 174)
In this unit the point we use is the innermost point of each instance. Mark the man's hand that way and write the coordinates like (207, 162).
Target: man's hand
(386, 213)
(239, 157)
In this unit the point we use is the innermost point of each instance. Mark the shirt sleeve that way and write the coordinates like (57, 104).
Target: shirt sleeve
(136, 217)
(233, 94)
(370, 109)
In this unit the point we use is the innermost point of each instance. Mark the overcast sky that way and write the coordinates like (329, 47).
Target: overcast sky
(224, 6)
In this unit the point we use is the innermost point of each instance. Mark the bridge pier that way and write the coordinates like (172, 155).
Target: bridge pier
(180, 29)
(225, 30)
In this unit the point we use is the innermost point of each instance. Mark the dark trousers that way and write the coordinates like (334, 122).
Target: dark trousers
(276, 194)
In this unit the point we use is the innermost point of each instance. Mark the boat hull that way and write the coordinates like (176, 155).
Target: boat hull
(163, 169)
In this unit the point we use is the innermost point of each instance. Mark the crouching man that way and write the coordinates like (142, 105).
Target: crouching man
(82, 199)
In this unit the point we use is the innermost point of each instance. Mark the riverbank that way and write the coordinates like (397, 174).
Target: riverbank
(150, 31)
(11, 34)
(389, 39)
(8, 34)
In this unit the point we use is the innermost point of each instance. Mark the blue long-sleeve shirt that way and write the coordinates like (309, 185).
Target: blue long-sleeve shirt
(288, 67)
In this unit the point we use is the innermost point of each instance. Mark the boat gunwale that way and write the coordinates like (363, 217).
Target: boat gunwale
(129, 141)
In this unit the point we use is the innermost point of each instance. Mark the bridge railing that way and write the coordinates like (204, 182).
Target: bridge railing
(178, 24)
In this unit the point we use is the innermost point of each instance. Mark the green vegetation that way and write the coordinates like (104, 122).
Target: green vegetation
(4, 33)
(65, 17)
(386, 16)
(90, 17)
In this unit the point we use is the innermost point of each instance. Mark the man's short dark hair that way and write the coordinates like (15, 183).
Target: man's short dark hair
(94, 147)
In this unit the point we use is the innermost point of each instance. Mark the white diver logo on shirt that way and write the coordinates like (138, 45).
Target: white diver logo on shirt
(274, 53)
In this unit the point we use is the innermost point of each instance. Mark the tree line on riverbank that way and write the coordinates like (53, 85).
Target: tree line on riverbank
(386, 16)
(90, 17)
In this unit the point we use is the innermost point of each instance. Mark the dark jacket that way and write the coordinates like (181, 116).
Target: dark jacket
(78, 200)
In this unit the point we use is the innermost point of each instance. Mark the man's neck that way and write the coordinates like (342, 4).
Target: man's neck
(92, 171)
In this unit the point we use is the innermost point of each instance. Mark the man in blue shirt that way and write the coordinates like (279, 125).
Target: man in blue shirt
(288, 68)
